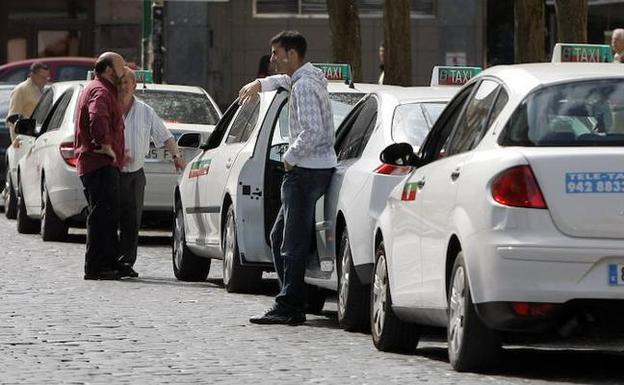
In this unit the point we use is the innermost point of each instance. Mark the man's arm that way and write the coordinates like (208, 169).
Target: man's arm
(15, 103)
(162, 138)
(309, 112)
(100, 121)
(270, 83)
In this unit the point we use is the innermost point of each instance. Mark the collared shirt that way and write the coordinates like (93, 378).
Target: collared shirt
(24, 99)
(98, 121)
(142, 124)
(311, 124)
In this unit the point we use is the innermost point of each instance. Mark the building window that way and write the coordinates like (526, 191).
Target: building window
(318, 8)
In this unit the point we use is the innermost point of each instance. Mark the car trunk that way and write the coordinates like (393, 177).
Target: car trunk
(583, 188)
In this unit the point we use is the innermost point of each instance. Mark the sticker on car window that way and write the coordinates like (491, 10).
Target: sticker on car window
(199, 168)
(594, 182)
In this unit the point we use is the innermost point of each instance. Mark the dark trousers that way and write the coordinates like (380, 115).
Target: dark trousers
(102, 192)
(291, 236)
(132, 187)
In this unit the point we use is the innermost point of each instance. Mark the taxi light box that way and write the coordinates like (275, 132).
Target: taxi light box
(335, 71)
(144, 76)
(453, 76)
(582, 53)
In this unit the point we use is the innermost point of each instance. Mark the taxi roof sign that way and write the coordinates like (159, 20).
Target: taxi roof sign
(335, 71)
(581, 53)
(144, 76)
(452, 75)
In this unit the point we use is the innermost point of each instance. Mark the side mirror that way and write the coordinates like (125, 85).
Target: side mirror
(25, 127)
(399, 154)
(190, 139)
(13, 118)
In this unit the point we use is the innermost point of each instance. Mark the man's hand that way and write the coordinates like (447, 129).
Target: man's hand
(16, 143)
(288, 166)
(249, 91)
(179, 163)
(106, 149)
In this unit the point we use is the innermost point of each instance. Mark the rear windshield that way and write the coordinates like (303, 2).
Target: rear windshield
(180, 107)
(587, 113)
(411, 122)
(342, 103)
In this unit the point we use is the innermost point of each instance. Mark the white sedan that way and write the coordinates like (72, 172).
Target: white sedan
(513, 217)
(49, 193)
(228, 196)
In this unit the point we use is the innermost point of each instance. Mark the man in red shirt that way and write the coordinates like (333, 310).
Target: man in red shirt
(99, 147)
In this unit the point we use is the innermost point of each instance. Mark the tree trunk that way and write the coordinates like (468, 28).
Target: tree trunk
(571, 21)
(344, 22)
(397, 43)
(529, 31)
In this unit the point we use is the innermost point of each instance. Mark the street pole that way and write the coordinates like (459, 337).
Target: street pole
(147, 33)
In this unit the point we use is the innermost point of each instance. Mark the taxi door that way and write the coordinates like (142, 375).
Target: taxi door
(259, 180)
(218, 164)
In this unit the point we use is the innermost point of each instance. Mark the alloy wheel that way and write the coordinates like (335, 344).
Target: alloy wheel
(457, 311)
(380, 283)
(228, 257)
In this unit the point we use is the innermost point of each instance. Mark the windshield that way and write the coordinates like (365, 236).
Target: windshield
(342, 103)
(587, 113)
(5, 93)
(411, 122)
(180, 107)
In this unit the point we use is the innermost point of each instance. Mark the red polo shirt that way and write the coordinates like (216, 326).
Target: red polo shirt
(99, 121)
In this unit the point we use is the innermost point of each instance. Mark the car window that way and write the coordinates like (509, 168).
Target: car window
(354, 141)
(246, 118)
(220, 129)
(16, 76)
(437, 141)
(578, 113)
(72, 72)
(472, 124)
(179, 107)
(5, 97)
(43, 107)
(501, 101)
(279, 141)
(342, 103)
(411, 122)
(54, 123)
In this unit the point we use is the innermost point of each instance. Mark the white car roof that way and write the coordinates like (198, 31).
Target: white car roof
(522, 78)
(169, 87)
(400, 95)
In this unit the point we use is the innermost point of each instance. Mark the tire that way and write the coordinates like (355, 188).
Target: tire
(186, 265)
(10, 203)
(390, 334)
(353, 300)
(53, 228)
(471, 345)
(236, 278)
(25, 225)
(315, 299)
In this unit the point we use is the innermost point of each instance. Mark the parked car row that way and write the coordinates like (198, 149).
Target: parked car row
(492, 210)
(43, 191)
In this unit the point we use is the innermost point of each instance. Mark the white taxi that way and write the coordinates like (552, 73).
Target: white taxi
(357, 193)
(513, 218)
(228, 196)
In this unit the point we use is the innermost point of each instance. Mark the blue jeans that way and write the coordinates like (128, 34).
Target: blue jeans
(293, 231)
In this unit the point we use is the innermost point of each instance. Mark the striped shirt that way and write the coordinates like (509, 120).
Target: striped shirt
(142, 126)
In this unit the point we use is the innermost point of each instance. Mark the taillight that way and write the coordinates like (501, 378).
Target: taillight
(389, 169)
(67, 153)
(518, 187)
(533, 309)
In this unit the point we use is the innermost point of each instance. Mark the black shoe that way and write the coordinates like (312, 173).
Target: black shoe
(104, 275)
(275, 317)
(126, 269)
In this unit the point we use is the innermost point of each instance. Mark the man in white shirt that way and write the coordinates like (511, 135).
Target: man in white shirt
(617, 43)
(142, 126)
(309, 164)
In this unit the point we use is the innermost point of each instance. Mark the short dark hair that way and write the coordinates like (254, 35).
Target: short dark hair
(102, 64)
(291, 40)
(38, 65)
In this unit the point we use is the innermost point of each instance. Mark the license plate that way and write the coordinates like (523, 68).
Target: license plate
(158, 155)
(616, 274)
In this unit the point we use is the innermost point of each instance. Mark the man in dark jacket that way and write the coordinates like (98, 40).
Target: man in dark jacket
(99, 147)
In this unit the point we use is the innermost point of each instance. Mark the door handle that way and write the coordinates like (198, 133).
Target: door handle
(421, 183)
(228, 164)
(455, 174)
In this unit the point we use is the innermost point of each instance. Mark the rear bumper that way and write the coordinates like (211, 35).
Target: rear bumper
(159, 189)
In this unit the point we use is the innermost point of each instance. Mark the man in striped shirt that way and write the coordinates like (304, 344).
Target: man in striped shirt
(142, 126)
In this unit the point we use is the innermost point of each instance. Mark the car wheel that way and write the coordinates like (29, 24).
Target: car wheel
(471, 345)
(236, 278)
(25, 225)
(186, 265)
(390, 334)
(353, 297)
(53, 228)
(10, 202)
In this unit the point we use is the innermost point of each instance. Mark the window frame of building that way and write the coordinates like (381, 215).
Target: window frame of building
(368, 15)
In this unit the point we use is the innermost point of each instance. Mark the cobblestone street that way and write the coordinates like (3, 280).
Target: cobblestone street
(57, 328)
